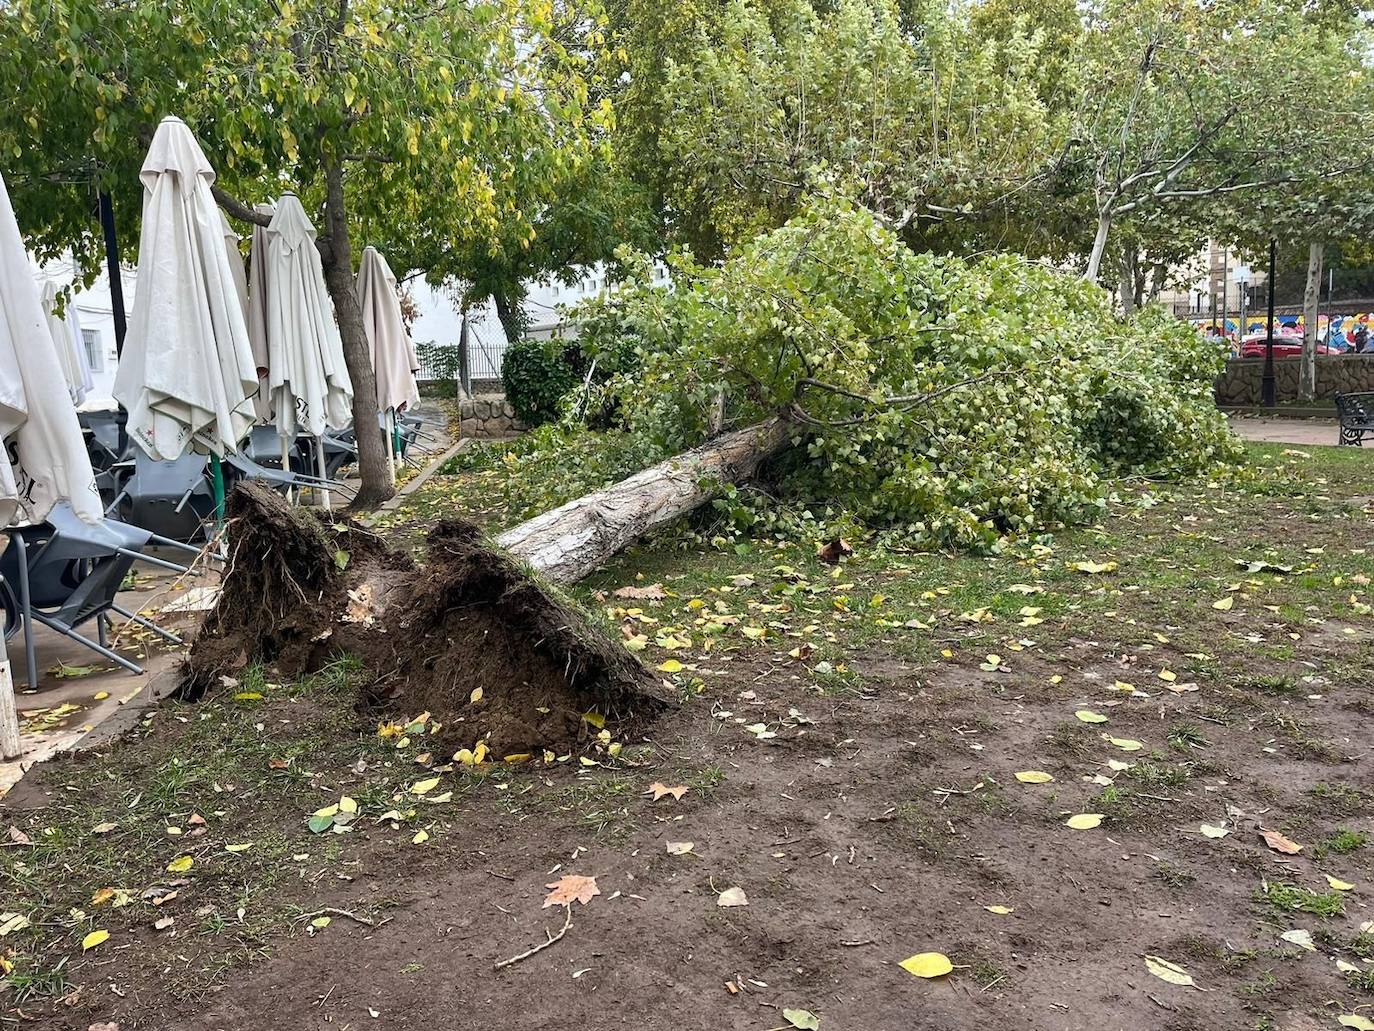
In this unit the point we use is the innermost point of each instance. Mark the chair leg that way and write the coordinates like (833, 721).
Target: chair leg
(166, 635)
(101, 630)
(26, 612)
(99, 649)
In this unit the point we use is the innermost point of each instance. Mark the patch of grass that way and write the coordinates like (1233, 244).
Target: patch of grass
(987, 973)
(1363, 945)
(1342, 843)
(1341, 798)
(32, 979)
(1186, 736)
(1292, 898)
(1265, 983)
(1271, 683)
(704, 780)
(1161, 774)
(1362, 980)
(1302, 742)
(1172, 876)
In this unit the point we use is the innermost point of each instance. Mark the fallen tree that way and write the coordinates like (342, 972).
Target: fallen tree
(568, 542)
(504, 664)
(950, 404)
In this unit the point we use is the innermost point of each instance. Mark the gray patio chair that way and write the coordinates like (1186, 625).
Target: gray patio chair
(173, 499)
(68, 573)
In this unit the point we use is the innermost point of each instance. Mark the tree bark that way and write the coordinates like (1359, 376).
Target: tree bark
(1126, 287)
(1104, 225)
(376, 484)
(567, 543)
(509, 314)
(1311, 296)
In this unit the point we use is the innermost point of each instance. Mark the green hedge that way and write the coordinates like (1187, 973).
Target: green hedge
(537, 374)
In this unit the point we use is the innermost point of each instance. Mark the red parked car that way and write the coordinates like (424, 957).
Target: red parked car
(1286, 345)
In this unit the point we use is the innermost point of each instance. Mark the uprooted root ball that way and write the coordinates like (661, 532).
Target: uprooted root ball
(299, 591)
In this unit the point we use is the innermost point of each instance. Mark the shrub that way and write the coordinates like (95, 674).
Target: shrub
(537, 374)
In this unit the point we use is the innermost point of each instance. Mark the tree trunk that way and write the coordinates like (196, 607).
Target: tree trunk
(511, 322)
(567, 543)
(1126, 287)
(376, 484)
(1104, 225)
(1311, 297)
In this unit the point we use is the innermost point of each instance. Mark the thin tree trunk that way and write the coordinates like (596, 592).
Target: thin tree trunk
(1311, 297)
(509, 315)
(338, 277)
(1126, 287)
(567, 543)
(1104, 225)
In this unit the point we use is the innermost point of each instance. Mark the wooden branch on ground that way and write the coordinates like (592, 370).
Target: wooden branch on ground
(540, 947)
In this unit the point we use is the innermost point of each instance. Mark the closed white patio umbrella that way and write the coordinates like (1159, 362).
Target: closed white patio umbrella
(43, 457)
(65, 332)
(393, 353)
(186, 375)
(257, 314)
(308, 384)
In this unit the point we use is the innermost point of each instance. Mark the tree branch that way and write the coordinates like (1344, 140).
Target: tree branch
(238, 209)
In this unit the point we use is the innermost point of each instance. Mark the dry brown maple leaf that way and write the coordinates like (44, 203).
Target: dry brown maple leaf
(1279, 843)
(653, 592)
(659, 790)
(569, 889)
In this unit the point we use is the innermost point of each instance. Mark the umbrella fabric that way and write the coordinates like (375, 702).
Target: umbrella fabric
(187, 371)
(257, 311)
(309, 388)
(393, 354)
(43, 457)
(66, 342)
(235, 256)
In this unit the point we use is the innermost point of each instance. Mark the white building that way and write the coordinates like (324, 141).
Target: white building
(95, 316)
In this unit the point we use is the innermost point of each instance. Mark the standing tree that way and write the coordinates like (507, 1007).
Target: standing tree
(1222, 99)
(414, 123)
(748, 106)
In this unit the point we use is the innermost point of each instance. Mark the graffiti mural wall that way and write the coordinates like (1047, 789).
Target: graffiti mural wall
(1339, 333)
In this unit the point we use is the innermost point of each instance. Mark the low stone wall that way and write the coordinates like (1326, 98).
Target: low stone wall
(488, 417)
(1241, 383)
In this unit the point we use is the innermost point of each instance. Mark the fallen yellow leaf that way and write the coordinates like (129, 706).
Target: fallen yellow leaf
(1034, 777)
(1084, 821)
(93, 939)
(927, 964)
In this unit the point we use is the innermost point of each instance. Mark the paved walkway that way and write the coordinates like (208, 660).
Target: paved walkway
(1307, 432)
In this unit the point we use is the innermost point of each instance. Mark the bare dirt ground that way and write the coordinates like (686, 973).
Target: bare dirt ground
(1194, 670)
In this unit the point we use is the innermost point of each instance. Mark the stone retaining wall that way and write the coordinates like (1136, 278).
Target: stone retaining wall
(488, 417)
(1240, 383)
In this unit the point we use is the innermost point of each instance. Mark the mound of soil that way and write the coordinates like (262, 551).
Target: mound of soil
(300, 591)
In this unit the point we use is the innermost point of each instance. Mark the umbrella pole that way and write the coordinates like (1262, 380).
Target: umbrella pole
(319, 465)
(217, 482)
(286, 462)
(9, 712)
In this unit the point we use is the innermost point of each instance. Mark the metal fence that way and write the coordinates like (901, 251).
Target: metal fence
(440, 361)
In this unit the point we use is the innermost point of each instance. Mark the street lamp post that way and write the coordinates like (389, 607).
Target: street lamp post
(1268, 388)
(1243, 277)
